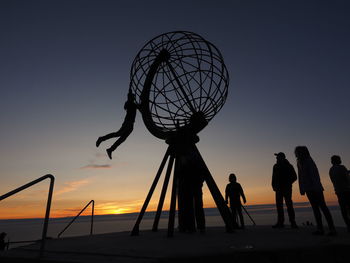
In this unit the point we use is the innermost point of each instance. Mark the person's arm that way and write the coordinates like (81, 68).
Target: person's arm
(314, 175)
(293, 174)
(331, 176)
(301, 180)
(242, 194)
(274, 179)
(226, 194)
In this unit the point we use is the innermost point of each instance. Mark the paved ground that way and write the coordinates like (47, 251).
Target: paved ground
(254, 244)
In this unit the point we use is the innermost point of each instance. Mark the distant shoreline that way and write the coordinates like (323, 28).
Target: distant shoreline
(255, 208)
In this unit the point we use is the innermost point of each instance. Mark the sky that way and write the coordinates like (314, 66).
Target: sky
(64, 77)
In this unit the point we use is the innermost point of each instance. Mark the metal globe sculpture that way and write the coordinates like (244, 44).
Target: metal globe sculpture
(179, 82)
(177, 77)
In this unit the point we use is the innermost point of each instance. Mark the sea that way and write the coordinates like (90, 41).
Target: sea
(24, 231)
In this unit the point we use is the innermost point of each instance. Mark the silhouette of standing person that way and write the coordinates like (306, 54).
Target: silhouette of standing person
(283, 177)
(310, 183)
(190, 195)
(127, 126)
(340, 178)
(234, 192)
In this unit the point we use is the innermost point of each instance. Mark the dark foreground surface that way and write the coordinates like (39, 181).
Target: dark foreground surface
(254, 244)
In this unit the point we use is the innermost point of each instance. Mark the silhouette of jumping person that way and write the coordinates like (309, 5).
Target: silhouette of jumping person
(283, 177)
(310, 183)
(340, 178)
(127, 126)
(234, 192)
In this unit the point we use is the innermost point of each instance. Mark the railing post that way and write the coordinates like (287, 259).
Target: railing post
(47, 214)
(48, 205)
(82, 210)
(92, 216)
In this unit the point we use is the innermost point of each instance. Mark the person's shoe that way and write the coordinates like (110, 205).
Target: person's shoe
(109, 153)
(98, 142)
(294, 225)
(318, 233)
(278, 225)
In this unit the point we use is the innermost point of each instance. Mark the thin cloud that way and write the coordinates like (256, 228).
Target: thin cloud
(96, 166)
(100, 155)
(72, 186)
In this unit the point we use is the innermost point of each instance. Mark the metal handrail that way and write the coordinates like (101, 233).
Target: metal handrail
(92, 218)
(48, 205)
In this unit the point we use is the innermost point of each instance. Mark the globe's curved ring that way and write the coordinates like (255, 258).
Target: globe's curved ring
(178, 79)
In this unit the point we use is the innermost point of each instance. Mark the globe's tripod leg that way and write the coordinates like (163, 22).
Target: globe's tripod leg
(135, 230)
(163, 193)
(219, 200)
(171, 222)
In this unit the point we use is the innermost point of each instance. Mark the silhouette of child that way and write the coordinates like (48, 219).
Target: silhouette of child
(127, 126)
(234, 192)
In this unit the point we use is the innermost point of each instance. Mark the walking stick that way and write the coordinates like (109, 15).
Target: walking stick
(249, 215)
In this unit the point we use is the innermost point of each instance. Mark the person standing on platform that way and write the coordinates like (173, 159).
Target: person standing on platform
(190, 196)
(340, 178)
(234, 192)
(283, 177)
(310, 184)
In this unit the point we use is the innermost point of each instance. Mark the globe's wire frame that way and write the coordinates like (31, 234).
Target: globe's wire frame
(196, 65)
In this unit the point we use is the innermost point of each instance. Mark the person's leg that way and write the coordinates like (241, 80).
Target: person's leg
(347, 206)
(290, 208)
(234, 215)
(107, 137)
(181, 202)
(190, 215)
(344, 208)
(279, 207)
(315, 207)
(239, 212)
(115, 145)
(199, 211)
(326, 213)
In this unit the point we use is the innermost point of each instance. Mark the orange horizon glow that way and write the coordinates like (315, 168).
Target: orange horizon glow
(25, 207)
(107, 210)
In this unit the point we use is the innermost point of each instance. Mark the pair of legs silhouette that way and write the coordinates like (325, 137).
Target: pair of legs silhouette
(123, 133)
(285, 195)
(236, 210)
(318, 204)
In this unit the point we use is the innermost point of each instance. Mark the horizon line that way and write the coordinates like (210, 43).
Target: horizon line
(305, 204)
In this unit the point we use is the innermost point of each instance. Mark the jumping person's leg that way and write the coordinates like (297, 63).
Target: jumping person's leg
(123, 133)
(115, 145)
(107, 137)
